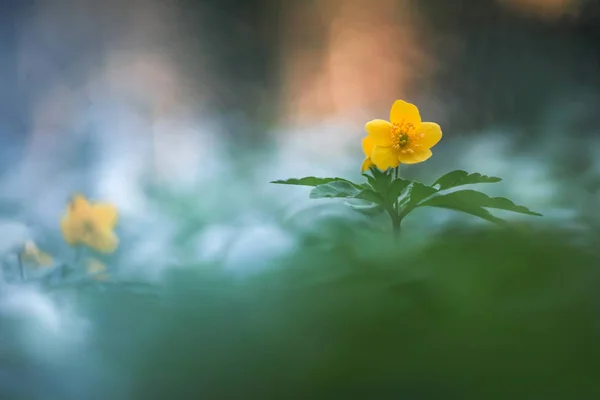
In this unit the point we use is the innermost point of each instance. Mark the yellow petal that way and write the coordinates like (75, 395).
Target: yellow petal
(367, 163)
(432, 133)
(384, 157)
(96, 269)
(69, 230)
(30, 247)
(380, 132)
(78, 210)
(79, 203)
(403, 111)
(29, 253)
(44, 259)
(35, 257)
(105, 215)
(94, 266)
(104, 241)
(417, 156)
(367, 145)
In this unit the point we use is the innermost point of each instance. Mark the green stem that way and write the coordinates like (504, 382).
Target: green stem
(396, 219)
(396, 222)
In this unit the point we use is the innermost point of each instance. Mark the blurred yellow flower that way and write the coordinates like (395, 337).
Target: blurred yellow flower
(34, 257)
(402, 140)
(90, 224)
(96, 269)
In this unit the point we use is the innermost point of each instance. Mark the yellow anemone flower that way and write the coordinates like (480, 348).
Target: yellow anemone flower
(90, 224)
(402, 140)
(34, 257)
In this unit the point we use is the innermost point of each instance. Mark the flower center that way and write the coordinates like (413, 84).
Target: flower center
(402, 140)
(403, 134)
(405, 137)
(89, 228)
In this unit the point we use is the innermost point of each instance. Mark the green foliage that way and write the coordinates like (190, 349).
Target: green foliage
(314, 181)
(475, 203)
(365, 207)
(460, 178)
(334, 189)
(415, 193)
(379, 181)
(459, 318)
(396, 188)
(399, 197)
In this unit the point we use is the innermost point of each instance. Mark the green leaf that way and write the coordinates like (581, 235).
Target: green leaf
(365, 207)
(471, 209)
(380, 181)
(370, 179)
(314, 181)
(397, 187)
(367, 201)
(370, 195)
(335, 189)
(460, 178)
(415, 193)
(475, 203)
(377, 174)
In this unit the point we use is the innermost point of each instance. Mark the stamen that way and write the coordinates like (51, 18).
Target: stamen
(402, 133)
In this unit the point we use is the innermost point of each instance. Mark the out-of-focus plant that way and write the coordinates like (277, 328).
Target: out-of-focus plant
(90, 224)
(405, 139)
(31, 257)
(34, 257)
(86, 226)
(96, 269)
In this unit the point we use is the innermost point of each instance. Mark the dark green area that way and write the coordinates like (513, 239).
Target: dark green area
(474, 314)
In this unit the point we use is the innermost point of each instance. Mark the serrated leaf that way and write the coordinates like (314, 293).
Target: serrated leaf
(397, 187)
(377, 173)
(314, 181)
(471, 209)
(476, 203)
(365, 207)
(415, 193)
(370, 179)
(370, 195)
(380, 181)
(460, 178)
(335, 189)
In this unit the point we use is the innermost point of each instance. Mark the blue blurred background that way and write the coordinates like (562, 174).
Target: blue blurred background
(180, 113)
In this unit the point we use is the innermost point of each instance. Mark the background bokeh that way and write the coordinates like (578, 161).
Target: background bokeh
(180, 113)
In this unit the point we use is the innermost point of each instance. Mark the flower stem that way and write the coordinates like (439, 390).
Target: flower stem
(396, 220)
(396, 226)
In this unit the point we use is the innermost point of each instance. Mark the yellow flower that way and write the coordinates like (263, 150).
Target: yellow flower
(405, 139)
(96, 269)
(367, 145)
(34, 257)
(90, 224)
